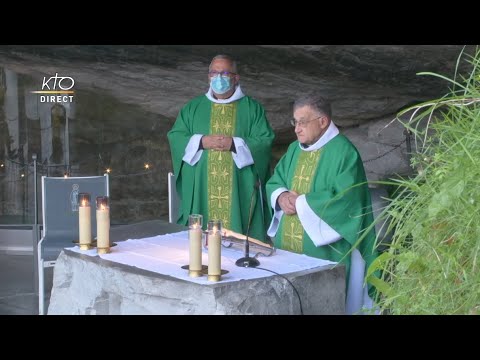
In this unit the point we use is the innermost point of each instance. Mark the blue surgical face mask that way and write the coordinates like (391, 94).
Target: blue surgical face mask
(221, 84)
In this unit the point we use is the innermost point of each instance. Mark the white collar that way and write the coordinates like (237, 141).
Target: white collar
(331, 132)
(237, 95)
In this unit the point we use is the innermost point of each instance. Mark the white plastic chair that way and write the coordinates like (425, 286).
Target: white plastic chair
(60, 219)
(173, 199)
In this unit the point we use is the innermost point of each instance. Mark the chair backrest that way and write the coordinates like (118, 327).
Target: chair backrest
(173, 199)
(60, 206)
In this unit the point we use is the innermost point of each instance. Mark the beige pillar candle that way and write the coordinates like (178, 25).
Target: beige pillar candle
(195, 237)
(84, 221)
(214, 249)
(103, 224)
(195, 240)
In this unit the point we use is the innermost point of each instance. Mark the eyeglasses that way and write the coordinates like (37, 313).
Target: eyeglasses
(302, 123)
(221, 73)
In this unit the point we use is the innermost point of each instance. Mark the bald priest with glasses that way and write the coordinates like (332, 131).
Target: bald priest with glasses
(321, 201)
(221, 149)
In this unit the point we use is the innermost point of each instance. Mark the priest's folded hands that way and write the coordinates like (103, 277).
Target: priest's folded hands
(286, 201)
(217, 142)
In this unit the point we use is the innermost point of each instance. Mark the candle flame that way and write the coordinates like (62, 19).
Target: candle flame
(102, 207)
(84, 203)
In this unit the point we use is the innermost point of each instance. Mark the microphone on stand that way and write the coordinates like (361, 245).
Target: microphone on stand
(248, 261)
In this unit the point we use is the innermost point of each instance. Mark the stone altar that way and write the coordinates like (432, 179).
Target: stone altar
(86, 284)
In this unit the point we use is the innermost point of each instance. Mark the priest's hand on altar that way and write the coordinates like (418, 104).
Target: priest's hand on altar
(286, 201)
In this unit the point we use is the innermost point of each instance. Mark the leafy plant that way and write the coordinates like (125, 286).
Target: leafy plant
(432, 265)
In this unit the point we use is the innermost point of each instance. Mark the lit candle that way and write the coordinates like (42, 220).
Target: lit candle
(103, 225)
(84, 221)
(195, 239)
(214, 249)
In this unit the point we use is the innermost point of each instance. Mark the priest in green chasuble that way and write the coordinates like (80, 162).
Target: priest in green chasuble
(321, 201)
(221, 149)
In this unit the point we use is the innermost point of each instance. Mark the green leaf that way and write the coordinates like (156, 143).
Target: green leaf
(378, 264)
(380, 285)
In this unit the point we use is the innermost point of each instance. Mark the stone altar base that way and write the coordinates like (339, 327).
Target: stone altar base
(86, 285)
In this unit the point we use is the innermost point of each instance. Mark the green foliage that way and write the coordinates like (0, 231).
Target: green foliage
(433, 263)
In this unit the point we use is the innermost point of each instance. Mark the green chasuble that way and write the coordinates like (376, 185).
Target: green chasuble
(214, 186)
(327, 177)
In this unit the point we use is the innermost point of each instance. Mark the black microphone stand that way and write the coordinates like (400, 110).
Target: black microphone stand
(248, 261)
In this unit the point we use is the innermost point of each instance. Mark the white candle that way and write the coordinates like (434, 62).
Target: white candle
(84, 220)
(214, 258)
(103, 227)
(103, 223)
(195, 237)
(195, 222)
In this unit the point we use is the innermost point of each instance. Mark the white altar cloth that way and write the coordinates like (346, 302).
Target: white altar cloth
(166, 254)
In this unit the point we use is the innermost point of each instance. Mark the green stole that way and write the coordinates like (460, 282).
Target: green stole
(220, 165)
(292, 230)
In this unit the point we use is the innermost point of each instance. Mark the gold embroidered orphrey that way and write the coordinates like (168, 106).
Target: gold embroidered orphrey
(220, 163)
(292, 230)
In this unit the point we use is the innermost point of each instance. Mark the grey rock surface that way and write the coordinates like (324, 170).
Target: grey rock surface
(84, 285)
(128, 96)
(365, 82)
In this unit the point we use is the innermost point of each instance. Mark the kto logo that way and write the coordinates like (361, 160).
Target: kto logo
(58, 88)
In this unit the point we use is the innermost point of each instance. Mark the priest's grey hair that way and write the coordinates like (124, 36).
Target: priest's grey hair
(316, 102)
(225, 57)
